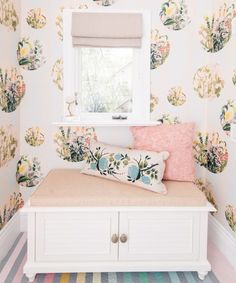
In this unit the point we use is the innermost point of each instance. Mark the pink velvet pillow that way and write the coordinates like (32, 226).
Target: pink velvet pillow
(177, 140)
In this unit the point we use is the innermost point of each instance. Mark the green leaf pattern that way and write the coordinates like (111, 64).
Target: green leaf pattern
(8, 145)
(207, 82)
(228, 115)
(230, 215)
(211, 152)
(8, 210)
(30, 54)
(216, 32)
(12, 89)
(34, 136)
(174, 14)
(28, 172)
(131, 166)
(8, 14)
(160, 49)
(73, 142)
(36, 19)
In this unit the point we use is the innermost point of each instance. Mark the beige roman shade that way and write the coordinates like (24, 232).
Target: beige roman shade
(107, 29)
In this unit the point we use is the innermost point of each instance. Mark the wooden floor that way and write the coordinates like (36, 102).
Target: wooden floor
(11, 271)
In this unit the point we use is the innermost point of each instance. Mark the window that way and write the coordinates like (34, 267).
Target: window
(106, 83)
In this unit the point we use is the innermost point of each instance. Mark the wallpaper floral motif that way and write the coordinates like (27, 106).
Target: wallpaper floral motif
(59, 24)
(169, 119)
(72, 142)
(59, 18)
(206, 188)
(28, 173)
(36, 18)
(8, 14)
(228, 115)
(234, 77)
(174, 14)
(160, 48)
(153, 103)
(8, 145)
(176, 96)
(34, 136)
(217, 29)
(12, 89)
(8, 210)
(211, 152)
(57, 74)
(104, 2)
(230, 215)
(207, 82)
(30, 54)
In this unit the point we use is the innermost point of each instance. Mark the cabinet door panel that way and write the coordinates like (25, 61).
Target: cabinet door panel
(76, 236)
(159, 236)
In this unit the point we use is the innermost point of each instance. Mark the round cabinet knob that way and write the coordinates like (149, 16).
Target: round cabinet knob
(123, 238)
(114, 238)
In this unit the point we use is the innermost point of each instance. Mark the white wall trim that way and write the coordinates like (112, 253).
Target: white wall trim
(9, 234)
(23, 221)
(223, 240)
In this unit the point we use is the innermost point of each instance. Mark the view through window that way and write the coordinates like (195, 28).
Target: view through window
(105, 80)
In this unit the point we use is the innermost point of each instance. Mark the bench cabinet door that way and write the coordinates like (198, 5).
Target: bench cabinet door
(76, 236)
(168, 236)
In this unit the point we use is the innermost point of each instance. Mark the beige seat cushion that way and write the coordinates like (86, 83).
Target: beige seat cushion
(68, 187)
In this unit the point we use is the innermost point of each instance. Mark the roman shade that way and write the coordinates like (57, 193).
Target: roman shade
(107, 29)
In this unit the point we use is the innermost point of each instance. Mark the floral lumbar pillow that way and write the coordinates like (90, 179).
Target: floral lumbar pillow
(141, 168)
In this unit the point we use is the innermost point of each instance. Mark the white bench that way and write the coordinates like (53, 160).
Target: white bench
(80, 223)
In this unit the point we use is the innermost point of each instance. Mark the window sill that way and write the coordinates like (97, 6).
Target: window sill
(112, 123)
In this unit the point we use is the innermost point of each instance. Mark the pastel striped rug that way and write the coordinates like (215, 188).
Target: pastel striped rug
(11, 271)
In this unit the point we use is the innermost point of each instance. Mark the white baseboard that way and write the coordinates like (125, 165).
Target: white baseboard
(223, 240)
(23, 221)
(9, 234)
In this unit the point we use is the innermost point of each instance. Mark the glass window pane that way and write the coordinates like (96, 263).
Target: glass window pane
(105, 80)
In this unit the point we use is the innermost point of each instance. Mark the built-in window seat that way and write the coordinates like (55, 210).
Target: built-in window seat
(65, 187)
(81, 223)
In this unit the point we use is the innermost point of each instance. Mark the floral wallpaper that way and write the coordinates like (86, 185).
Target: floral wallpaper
(211, 152)
(57, 73)
(8, 145)
(206, 188)
(72, 141)
(176, 96)
(190, 81)
(168, 119)
(12, 89)
(36, 18)
(160, 48)
(216, 30)
(30, 54)
(174, 14)
(207, 82)
(9, 209)
(12, 92)
(8, 14)
(34, 136)
(228, 114)
(28, 172)
(230, 215)
(153, 103)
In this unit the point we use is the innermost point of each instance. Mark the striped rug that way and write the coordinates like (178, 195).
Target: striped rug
(11, 271)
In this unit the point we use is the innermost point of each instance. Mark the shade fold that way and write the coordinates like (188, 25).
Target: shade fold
(107, 29)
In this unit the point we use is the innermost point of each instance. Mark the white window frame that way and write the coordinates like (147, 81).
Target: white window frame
(141, 82)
